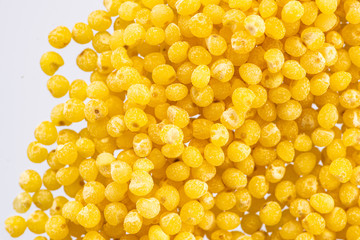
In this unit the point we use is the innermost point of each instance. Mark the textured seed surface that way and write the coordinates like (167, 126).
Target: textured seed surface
(200, 119)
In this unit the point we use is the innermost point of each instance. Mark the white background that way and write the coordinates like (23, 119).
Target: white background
(24, 98)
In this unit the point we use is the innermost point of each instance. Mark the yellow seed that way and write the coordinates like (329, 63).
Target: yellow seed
(198, 117)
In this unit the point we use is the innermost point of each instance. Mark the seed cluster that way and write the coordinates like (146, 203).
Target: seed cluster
(205, 119)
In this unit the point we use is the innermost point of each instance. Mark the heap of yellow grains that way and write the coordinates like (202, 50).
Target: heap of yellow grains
(204, 119)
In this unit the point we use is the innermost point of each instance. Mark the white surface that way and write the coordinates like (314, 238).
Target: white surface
(24, 98)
